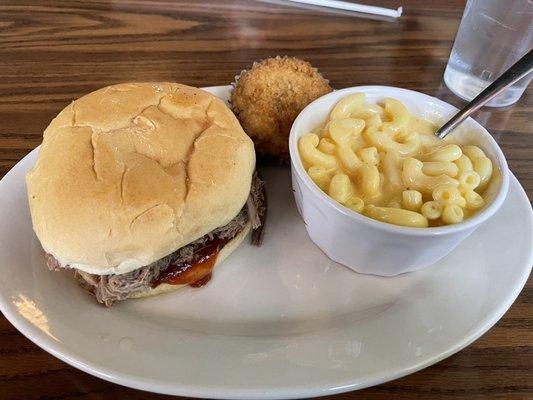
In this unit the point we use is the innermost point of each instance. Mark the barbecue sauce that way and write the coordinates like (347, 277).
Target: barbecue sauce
(195, 273)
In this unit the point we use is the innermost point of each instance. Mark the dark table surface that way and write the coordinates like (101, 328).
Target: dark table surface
(54, 51)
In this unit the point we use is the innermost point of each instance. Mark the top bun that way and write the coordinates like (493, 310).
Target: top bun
(131, 172)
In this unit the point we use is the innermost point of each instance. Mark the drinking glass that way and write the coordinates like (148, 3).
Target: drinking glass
(492, 36)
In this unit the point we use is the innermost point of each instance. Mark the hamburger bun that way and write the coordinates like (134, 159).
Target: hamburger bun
(131, 172)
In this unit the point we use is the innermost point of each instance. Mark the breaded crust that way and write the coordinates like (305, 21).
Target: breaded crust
(267, 98)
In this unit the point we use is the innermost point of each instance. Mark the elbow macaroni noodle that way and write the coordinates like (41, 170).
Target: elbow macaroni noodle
(385, 163)
(411, 200)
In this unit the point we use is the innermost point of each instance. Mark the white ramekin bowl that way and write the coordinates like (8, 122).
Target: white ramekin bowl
(369, 246)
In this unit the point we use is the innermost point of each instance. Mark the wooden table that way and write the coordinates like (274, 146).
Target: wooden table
(52, 52)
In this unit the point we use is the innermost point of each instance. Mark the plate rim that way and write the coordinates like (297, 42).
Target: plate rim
(59, 350)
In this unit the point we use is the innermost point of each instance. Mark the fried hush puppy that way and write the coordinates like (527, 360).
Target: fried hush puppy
(267, 99)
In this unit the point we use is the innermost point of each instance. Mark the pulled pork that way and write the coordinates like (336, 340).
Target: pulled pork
(114, 287)
(256, 206)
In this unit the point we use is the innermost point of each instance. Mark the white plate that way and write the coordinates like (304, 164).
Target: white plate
(280, 321)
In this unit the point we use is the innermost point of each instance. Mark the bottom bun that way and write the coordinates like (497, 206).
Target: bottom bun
(222, 255)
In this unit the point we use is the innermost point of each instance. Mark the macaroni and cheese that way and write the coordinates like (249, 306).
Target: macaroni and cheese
(385, 163)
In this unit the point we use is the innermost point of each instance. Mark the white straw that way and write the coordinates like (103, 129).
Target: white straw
(344, 5)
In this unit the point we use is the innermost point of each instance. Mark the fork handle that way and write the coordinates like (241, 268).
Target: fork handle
(516, 72)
